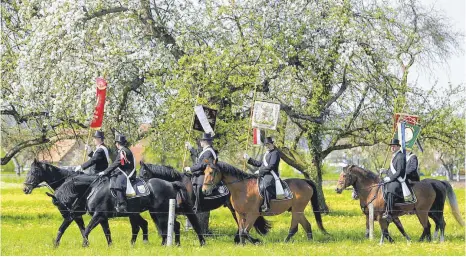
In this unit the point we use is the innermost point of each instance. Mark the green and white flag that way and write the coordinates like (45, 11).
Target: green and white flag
(411, 134)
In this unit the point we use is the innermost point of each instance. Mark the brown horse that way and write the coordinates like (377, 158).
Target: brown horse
(246, 199)
(368, 186)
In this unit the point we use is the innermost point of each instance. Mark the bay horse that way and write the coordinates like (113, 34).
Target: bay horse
(246, 199)
(443, 189)
(55, 177)
(100, 204)
(148, 171)
(369, 188)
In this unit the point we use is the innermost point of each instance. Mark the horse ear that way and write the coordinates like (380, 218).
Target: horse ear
(35, 160)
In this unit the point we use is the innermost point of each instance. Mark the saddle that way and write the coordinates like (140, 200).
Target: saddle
(263, 187)
(399, 200)
(139, 186)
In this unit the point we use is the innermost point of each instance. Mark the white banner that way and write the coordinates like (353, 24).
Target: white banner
(203, 120)
(265, 115)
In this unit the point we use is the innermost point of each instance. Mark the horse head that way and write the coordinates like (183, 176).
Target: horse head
(346, 179)
(144, 171)
(212, 176)
(36, 175)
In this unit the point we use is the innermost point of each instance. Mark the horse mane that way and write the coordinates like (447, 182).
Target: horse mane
(233, 171)
(167, 173)
(47, 167)
(72, 188)
(366, 173)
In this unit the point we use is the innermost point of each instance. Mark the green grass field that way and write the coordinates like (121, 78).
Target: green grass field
(29, 224)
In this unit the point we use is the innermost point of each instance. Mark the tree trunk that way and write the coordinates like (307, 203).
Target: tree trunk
(18, 167)
(295, 160)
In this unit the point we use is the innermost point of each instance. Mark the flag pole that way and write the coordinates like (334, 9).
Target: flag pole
(249, 124)
(87, 141)
(191, 126)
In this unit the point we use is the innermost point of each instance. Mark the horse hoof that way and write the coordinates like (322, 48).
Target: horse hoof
(85, 244)
(145, 241)
(110, 244)
(56, 244)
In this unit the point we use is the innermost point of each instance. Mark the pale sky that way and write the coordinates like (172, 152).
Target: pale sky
(454, 71)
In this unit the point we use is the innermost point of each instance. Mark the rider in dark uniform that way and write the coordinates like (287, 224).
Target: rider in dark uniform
(412, 164)
(100, 158)
(269, 163)
(392, 186)
(207, 153)
(122, 169)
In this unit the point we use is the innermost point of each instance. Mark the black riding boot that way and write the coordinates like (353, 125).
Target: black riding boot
(266, 205)
(388, 213)
(121, 201)
(198, 194)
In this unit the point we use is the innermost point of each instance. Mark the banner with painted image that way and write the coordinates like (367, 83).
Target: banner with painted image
(205, 119)
(265, 115)
(411, 134)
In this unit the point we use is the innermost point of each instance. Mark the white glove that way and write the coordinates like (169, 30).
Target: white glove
(188, 145)
(187, 169)
(257, 172)
(100, 174)
(246, 156)
(386, 179)
(88, 148)
(79, 168)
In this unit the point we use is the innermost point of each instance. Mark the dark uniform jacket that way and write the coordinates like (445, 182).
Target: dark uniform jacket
(199, 166)
(128, 163)
(98, 161)
(399, 163)
(412, 167)
(273, 160)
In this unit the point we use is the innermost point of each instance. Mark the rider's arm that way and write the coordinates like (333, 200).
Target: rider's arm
(254, 162)
(112, 166)
(274, 158)
(99, 155)
(200, 166)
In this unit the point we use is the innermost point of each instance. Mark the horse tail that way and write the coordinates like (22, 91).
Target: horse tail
(262, 226)
(315, 206)
(453, 203)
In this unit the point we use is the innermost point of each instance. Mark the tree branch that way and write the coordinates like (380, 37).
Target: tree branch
(37, 141)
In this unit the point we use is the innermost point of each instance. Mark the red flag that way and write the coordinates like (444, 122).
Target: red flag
(258, 136)
(99, 108)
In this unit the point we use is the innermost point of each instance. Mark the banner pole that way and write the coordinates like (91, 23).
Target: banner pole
(87, 142)
(191, 127)
(249, 124)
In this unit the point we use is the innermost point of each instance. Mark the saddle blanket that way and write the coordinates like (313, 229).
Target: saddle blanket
(217, 192)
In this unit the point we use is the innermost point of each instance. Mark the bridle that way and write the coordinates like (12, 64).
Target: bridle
(46, 184)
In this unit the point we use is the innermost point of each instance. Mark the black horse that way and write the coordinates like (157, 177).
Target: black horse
(100, 203)
(55, 177)
(149, 171)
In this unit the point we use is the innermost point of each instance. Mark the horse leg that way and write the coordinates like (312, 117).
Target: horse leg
(241, 221)
(159, 226)
(106, 229)
(134, 228)
(196, 226)
(306, 226)
(96, 219)
(293, 227)
(384, 227)
(236, 240)
(177, 233)
(144, 226)
(442, 229)
(61, 230)
(80, 222)
(424, 220)
(400, 227)
(248, 225)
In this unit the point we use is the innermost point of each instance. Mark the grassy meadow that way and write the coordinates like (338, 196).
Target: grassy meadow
(29, 224)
